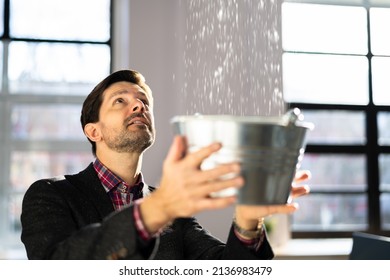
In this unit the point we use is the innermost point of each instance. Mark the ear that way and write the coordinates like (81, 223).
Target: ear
(92, 131)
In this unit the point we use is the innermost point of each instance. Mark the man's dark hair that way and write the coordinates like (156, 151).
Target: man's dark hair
(93, 102)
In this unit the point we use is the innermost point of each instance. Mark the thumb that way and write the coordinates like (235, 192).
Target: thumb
(177, 149)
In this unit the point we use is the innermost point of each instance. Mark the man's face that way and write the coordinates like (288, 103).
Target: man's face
(126, 118)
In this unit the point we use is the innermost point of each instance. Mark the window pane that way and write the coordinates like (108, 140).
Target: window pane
(14, 212)
(331, 213)
(336, 127)
(383, 128)
(385, 210)
(50, 165)
(379, 3)
(384, 172)
(1, 65)
(1, 21)
(332, 79)
(307, 28)
(380, 37)
(44, 68)
(38, 122)
(380, 80)
(335, 172)
(59, 19)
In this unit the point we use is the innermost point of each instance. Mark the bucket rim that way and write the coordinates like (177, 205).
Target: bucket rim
(268, 120)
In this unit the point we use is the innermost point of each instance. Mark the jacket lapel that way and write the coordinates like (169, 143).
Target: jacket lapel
(88, 183)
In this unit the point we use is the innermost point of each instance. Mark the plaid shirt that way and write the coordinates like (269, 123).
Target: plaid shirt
(122, 194)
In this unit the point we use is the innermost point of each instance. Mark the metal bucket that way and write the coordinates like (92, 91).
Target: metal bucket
(269, 150)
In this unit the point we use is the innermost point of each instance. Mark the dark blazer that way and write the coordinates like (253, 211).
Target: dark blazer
(75, 219)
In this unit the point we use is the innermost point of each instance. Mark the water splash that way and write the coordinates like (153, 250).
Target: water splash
(232, 58)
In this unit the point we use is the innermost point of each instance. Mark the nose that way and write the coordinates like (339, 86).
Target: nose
(138, 106)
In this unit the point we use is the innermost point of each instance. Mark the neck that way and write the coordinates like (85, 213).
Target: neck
(125, 165)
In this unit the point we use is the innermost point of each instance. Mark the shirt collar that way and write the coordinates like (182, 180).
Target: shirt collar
(109, 180)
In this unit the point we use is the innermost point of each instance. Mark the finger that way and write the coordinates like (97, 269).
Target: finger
(196, 158)
(255, 212)
(177, 149)
(203, 186)
(282, 209)
(225, 170)
(299, 191)
(302, 175)
(220, 185)
(216, 179)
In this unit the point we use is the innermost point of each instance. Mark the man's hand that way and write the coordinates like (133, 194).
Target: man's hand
(184, 188)
(247, 216)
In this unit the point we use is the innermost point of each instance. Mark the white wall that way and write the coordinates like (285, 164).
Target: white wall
(146, 42)
(149, 37)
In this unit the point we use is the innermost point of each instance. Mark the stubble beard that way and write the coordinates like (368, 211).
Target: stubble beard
(131, 141)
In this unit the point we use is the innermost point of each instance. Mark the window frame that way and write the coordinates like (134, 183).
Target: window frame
(9, 237)
(371, 149)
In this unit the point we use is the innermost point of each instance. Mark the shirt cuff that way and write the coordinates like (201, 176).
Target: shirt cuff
(139, 223)
(254, 243)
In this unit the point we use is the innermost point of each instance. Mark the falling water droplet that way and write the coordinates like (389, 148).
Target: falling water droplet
(233, 57)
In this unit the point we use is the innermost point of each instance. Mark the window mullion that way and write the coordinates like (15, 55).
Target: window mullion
(4, 129)
(372, 154)
(6, 19)
(373, 193)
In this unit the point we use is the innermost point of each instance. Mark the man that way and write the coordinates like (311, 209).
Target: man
(107, 211)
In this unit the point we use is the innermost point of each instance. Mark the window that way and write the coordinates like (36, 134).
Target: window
(336, 71)
(52, 54)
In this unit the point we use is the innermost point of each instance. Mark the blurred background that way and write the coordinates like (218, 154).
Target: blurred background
(330, 58)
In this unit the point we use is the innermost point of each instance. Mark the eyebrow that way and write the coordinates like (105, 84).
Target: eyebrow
(124, 91)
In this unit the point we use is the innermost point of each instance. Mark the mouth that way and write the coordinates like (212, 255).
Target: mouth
(138, 121)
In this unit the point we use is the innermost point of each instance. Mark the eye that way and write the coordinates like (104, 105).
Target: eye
(119, 101)
(145, 101)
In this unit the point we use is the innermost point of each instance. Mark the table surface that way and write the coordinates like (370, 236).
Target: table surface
(329, 248)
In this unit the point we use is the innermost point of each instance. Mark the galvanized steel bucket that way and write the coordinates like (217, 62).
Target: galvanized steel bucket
(269, 150)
